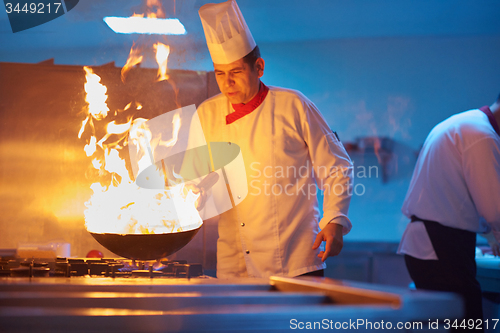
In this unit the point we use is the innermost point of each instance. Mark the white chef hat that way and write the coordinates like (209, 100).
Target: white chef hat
(227, 34)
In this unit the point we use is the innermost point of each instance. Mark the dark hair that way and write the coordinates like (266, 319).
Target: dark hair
(252, 57)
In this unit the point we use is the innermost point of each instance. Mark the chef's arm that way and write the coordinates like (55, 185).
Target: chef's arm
(482, 174)
(333, 171)
(333, 168)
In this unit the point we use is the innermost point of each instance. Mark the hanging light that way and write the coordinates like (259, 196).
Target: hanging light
(145, 25)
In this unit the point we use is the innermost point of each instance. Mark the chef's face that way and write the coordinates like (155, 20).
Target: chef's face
(239, 81)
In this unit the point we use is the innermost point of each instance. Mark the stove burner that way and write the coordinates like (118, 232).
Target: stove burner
(146, 273)
(30, 271)
(96, 267)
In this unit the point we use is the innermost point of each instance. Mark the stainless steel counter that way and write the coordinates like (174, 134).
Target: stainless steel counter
(83, 304)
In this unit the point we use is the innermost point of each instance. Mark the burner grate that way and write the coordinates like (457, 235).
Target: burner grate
(96, 267)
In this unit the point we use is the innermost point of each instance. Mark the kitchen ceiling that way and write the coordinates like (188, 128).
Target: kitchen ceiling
(83, 31)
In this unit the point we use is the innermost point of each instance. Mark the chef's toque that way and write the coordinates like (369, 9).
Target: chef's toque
(227, 34)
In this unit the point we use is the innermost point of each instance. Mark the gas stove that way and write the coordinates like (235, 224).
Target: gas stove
(97, 267)
(125, 304)
(120, 295)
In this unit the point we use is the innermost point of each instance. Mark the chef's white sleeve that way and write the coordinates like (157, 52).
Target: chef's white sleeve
(333, 169)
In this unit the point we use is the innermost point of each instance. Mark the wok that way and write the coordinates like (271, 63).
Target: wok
(145, 246)
(152, 246)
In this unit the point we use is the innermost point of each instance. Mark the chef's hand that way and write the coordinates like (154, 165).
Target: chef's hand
(493, 243)
(200, 202)
(202, 188)
(332, 235)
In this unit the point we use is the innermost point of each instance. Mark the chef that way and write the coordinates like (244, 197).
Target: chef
(287, 147)
(454, 193)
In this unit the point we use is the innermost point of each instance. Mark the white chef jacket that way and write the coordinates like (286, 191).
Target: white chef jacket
(271, 232)
(456, 182)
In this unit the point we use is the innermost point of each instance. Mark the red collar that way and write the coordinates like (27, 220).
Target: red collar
(241, 110)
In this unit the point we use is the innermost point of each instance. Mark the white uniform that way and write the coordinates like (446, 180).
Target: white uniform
(271, 232)
(456, 182)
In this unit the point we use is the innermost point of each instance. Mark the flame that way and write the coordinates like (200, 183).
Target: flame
(96, 95)
(133, 59)
(111, 129)
(96, 163)
(118, 204)
(176, 123)
(141, 137)
(162, 52)
(91, 147)
(82, 128)
(128, 209)
(138, 106)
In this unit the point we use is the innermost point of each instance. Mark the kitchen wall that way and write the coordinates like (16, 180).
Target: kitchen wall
(393, 87)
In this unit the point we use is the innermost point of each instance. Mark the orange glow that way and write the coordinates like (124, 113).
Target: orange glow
(152, 4)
